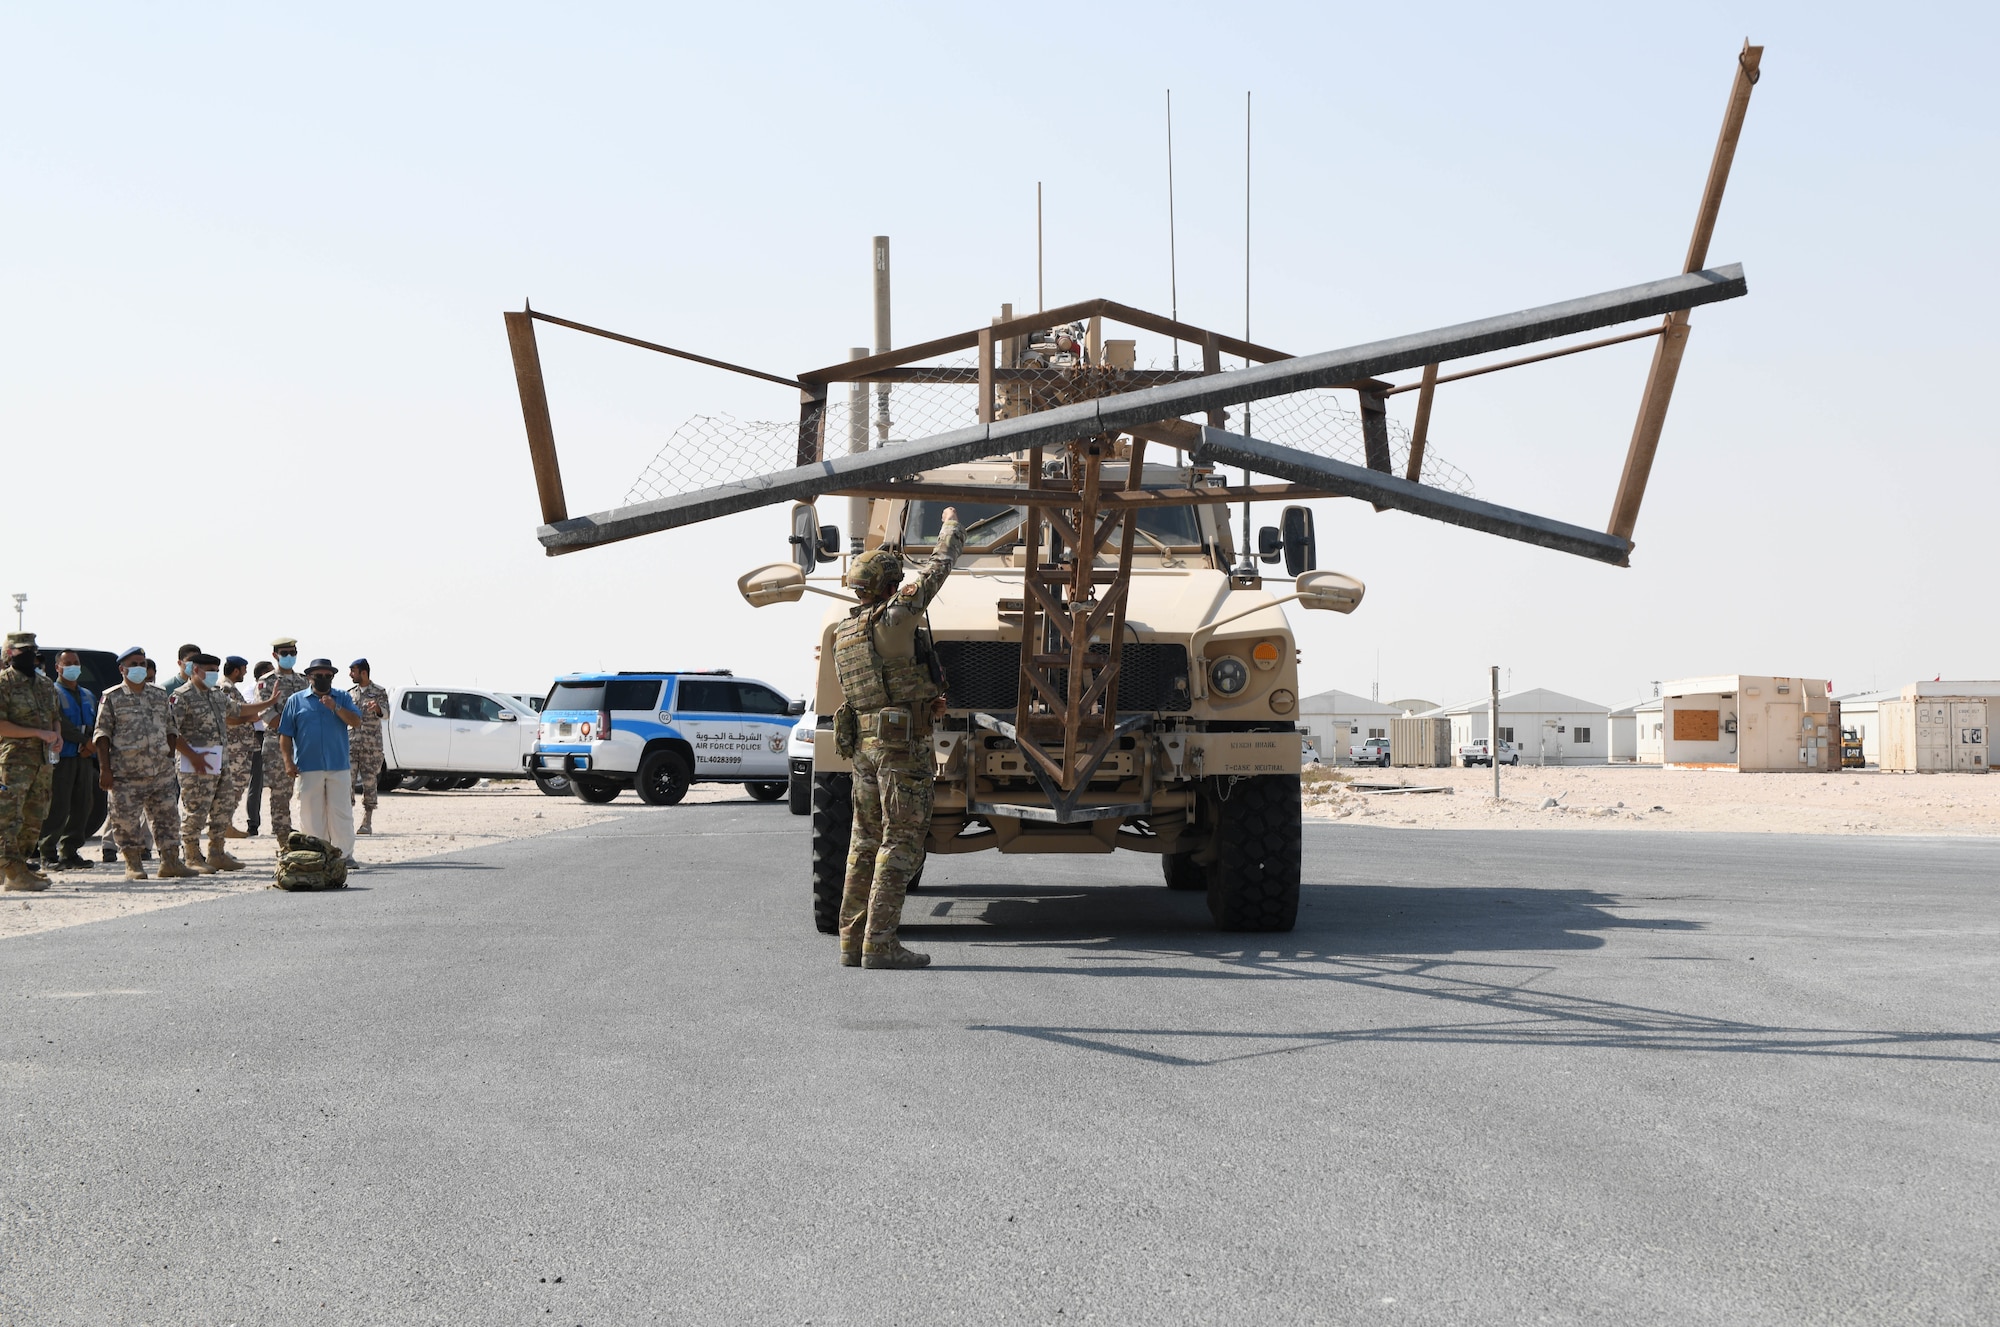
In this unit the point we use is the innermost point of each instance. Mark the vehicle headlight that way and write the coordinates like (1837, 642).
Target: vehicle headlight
(1228, 675)
(1282, 701)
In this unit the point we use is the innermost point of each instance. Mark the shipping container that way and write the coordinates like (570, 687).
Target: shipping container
(1424, 742)
(1933, 734)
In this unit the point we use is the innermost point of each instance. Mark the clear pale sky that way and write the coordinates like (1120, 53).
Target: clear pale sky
(253, 376)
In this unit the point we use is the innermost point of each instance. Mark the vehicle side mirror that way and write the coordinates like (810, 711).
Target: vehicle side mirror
(779, 583)
(796, 708)
(805, 536)
(1329, 590)
(829, 543)
(1269, 543)
(508, 716)
(1300, 543)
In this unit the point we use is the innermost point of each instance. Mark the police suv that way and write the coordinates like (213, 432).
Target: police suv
(661, 733)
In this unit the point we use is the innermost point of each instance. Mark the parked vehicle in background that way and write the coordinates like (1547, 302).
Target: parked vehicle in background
(532, 702)
(440, 738)
(1374, 751)
(663, 732)
(1308, 752)
(801, 754)
(1852, 756)
(1475, 753)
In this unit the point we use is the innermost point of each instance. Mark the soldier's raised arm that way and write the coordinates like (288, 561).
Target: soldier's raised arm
(950, 541)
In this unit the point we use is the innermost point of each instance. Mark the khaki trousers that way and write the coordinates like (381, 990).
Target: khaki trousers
(326, 807)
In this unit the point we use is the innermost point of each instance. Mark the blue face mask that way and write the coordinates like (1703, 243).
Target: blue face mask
(72, 672)
(288, 661)
(137, 674)
(187, 669)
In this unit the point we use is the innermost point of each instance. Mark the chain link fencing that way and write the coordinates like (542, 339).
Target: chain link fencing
(709, 450)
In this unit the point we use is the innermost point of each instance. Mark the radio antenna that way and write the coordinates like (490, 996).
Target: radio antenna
(1173, 266)
(1248, 563)
(1039, 305)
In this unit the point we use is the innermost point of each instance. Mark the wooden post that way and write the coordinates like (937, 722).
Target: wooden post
(1421, 432)
(986, 375)
(535, 414)
(812, 422)
(1672, 345)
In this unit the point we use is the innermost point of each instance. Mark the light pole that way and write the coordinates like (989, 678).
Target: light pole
(19, 599)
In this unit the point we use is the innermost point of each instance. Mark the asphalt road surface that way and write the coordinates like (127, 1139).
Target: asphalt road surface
(613, 1076)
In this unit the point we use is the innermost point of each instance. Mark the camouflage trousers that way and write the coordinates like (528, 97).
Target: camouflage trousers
(893, 789)
(279, 785)
(235, 778)
(202, 807)
(159, 803)
(25, 803)
(367, 763)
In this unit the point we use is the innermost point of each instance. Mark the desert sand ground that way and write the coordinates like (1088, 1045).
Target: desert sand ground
(1647, 797)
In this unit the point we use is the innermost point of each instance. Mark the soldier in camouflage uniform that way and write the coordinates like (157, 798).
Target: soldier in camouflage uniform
(365, 742)
(891, 700)
(278, 687)
(206, 713)
(137, 735)
(244, 744)
(30, 728)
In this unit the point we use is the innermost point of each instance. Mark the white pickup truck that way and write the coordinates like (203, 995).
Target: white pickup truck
(452, 737)
(1475, 753)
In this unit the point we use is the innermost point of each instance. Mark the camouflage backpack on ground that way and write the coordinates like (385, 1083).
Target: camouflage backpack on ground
(309, 863)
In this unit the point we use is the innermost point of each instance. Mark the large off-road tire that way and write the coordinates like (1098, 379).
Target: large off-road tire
(595, 791)
(664, 778)
(1254, 883)
(767, 792)
(832, 830)
(1183, 872)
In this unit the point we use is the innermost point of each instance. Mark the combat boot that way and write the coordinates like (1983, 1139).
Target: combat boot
(20, 880)
(219, 858)
(234, 833)
(170, 865)
(891, 954)
(133, 869)
(196, 860)
(367, 825)
(850, 952)
(34, 873)
(72, 862)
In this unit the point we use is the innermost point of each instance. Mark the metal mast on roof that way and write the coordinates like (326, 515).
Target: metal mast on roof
(1173, 266)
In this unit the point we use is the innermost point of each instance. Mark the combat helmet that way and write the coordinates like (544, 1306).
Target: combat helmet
(874, 574)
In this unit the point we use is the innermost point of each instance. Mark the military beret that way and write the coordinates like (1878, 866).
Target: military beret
(362, 664)
(320, 666)
(20, 640)
(236, 661)
(206, 660)
(136, 649)
(282, 641)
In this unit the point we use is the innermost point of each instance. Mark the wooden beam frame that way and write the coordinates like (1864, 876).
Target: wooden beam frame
(535, 414)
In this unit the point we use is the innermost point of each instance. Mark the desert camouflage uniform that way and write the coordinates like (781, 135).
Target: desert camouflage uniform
(893, 784)
(364, 741)
(277, 783)
(203, 715)
(24, 762)
(137, 724)
(242, 742)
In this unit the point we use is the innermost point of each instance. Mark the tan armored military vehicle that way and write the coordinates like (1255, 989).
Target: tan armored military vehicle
(1119, 673)
(1182, 742)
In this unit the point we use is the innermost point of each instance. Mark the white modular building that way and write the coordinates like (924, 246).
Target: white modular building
(1635, 733)
(1547, 727)
(1862, 711)
(1938, 726)
(1337, 721)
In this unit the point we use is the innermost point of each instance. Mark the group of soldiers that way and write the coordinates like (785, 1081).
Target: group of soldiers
(175, 759)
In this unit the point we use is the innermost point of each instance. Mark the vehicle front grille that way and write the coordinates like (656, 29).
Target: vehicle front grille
(986, 674)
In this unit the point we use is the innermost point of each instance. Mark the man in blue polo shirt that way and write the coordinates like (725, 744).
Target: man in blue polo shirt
(312, 738)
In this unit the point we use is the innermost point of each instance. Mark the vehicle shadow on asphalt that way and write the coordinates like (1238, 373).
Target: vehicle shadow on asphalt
(1333, 919)
(1470, 949)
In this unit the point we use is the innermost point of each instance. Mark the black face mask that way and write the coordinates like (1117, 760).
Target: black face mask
(322, 683)
(24, 661)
